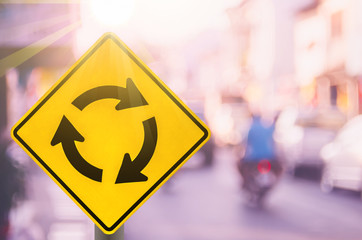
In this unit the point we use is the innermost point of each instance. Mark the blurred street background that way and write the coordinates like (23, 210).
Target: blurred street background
(295, 62)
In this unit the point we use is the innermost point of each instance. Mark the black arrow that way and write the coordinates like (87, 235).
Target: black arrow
(129, 97)
(130, 171)
(66, 134)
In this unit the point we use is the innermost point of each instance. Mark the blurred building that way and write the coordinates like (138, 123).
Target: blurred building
(328, 50)
(309, 49)
(36, 39)
(264, 31)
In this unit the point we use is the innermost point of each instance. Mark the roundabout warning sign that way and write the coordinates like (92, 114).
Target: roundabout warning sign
(67, 135)
(110, 133)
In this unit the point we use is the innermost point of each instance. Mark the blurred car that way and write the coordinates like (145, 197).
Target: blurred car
(205, 156)
(343, 158)
(300, 135)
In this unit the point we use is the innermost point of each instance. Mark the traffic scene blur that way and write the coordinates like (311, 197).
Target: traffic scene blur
(278, 83)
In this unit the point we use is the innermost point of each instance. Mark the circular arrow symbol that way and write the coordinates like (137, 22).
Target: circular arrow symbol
(129, 97)
(67, 134)
(131, 170)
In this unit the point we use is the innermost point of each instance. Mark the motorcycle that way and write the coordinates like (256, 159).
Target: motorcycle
(259, 177)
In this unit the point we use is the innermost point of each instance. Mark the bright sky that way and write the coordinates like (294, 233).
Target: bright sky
(156, 21)
(172, 21)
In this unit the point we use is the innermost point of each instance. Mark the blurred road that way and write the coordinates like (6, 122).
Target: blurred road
(207, 204)
(48, 213)
(203, 204)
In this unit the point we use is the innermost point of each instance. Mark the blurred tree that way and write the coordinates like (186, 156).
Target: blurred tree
(11, 188)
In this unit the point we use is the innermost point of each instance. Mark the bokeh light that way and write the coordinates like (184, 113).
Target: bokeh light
(112, 12)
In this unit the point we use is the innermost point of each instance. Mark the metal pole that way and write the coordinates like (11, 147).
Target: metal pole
(99, 235)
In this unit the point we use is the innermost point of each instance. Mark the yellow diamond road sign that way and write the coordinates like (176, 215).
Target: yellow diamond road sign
(110, 133)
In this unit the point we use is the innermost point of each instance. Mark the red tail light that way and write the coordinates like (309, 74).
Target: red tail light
(264, 166)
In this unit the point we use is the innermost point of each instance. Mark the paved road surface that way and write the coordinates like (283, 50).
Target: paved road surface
(207, 205)
(202, 205)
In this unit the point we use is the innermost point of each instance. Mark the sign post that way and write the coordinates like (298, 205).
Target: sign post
(110, 133)
(118, 235)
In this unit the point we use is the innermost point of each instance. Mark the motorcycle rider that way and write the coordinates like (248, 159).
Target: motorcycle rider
(260, 154)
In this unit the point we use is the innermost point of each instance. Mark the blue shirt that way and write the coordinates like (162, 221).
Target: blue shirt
(260, 142)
